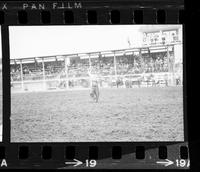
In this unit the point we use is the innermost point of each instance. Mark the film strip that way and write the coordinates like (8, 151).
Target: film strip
(92, 12)
(26, 127)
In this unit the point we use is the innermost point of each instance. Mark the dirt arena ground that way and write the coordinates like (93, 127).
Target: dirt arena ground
(137, 114)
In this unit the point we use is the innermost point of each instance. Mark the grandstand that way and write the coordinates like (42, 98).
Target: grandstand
(150, 65)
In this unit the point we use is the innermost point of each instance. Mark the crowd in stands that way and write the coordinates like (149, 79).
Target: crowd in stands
(146, 65)
(80, 70)
(103, 66)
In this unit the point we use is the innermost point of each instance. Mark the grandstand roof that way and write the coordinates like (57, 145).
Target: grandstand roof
(108, 53)
(156, 28)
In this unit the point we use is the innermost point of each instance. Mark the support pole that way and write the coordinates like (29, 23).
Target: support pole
(66, 72)
(115, 66)
(141, 60)
(90, 63)
(21, 72)
(43, 71)
(168, 63)
(170, 77)
(90, 70)
(173, 66)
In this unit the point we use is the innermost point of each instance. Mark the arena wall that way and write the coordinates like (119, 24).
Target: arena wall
(126, 81)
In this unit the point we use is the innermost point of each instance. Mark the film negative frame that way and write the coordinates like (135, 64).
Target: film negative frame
(87, 155)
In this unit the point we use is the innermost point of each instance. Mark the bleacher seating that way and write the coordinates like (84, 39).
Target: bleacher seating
(125, 65)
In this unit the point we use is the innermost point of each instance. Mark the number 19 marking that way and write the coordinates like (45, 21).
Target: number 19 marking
(91, 163)
(182, 163)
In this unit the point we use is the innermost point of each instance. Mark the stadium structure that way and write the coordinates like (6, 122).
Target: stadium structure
(144, 66)
(156, 63)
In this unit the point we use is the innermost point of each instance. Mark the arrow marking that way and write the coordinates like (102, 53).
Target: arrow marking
(75, 162)
(165, 163)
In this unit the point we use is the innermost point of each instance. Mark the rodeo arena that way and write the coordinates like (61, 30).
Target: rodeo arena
(140, 93)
